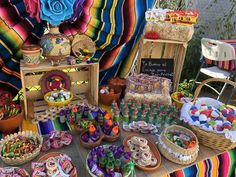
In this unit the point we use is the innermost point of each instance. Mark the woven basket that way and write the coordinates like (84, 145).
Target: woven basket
(186, 152)
(25, 158)
(209, 138)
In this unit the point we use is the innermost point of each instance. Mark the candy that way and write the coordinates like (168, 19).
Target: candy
(54, 166)
(57, 139)
(231, 118)
(203, 118)
(204, 107)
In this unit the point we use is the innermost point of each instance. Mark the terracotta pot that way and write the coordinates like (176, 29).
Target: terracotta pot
(107, 99)
(5, 97)
(118, 82)
(90, 145)
(56, 46)
(31, 54)
(11, 124)
(111, 138)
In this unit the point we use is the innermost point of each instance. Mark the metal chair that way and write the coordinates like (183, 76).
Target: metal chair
(217, 51)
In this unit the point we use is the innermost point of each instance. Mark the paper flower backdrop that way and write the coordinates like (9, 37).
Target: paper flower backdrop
(54, 11)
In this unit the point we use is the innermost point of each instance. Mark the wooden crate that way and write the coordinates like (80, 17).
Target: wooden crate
(164, 49)
(84, 80)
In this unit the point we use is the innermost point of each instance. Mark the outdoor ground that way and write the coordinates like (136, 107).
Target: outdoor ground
(209, 93)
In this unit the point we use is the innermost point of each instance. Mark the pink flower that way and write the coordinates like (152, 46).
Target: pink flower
(33, 8)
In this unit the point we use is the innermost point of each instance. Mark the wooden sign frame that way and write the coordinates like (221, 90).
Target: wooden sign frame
(160, 49)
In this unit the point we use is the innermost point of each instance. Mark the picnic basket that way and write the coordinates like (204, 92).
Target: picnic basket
(192, 153)
(212, 139)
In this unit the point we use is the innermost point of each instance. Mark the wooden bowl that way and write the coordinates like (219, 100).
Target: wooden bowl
(153, 148)
(9, 125)
(54, 154)
(107, 99)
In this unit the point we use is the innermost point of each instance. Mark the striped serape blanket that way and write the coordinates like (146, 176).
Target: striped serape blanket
(114, 25)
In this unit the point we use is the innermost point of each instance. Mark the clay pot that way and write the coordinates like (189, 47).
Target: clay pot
(11, 124)
(31, 54)
(107, 99)
(56, 46)
(118, 82)
(90, 145)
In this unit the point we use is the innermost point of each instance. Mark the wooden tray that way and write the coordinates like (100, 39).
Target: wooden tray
(153, 148)
(54, 154)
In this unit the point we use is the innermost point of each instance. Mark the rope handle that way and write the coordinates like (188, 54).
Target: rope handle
(199, 88)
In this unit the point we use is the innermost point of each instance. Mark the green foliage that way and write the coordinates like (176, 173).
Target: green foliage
(226, 26)
(186, 87)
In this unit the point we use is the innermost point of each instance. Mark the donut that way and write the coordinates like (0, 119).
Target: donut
(51, 164)
(142, 142)
(135, 140)
(145, 148)
(153, 161)
(141, 163)
(135, 155)
(133, 148)
(145, 162)
(146, 156)
(129, 143)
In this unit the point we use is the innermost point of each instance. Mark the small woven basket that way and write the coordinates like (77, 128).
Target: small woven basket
(26, 157)
(175, 148)
(209, 138)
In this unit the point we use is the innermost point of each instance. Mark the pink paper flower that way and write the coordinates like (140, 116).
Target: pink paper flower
(33, 8)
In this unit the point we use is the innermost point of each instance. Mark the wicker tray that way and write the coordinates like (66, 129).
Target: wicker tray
(192, 151)
(25, 158)
(212, 139)
(153, 149)
(55, 154)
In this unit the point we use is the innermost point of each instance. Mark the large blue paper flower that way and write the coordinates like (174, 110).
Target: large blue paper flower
(56, 11)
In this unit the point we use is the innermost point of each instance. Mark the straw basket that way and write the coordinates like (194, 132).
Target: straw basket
(193, 152)
(210, 138)
(26, 157)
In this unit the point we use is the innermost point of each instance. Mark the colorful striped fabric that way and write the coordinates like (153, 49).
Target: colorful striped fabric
(16, 27)
(226, 65)
(223, 165)
(114, 25)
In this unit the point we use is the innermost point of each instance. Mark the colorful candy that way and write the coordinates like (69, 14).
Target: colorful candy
(56, 140)
(145, 117)
(181, 139)
(54, 166)
(108, 160)
(212, 118)
(19, 146)
(13, 172)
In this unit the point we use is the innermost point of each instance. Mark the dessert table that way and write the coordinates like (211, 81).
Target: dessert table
(79, 154)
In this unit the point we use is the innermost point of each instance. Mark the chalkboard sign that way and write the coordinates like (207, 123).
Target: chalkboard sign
(160, 67)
